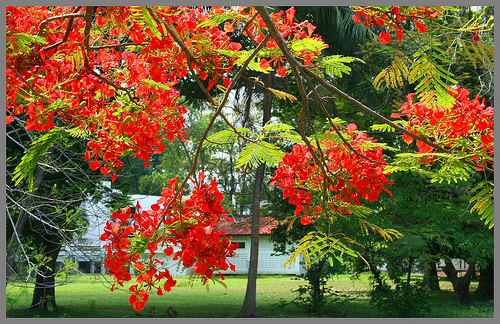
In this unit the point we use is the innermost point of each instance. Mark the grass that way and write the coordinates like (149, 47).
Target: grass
(90, 297)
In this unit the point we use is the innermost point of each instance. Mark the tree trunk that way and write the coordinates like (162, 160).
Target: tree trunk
(19, 228)
(379, 284)
(249, 308)
(460, 284)
(485, 289)
(410, 267)
(44, 295)
(431, 280)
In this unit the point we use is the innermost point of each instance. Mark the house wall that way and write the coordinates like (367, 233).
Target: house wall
(98, 215)
(268, 263)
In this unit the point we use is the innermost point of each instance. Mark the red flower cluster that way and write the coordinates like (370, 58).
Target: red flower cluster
(135, 239)
(468, 125)
(350, 176)
(120, 87)
(393, 18)
(288, 28)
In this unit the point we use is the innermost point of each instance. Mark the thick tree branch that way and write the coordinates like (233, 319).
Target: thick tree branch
(72, 15)
(66, 35)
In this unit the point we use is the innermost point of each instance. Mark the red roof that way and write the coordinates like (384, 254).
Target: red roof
(243, 226)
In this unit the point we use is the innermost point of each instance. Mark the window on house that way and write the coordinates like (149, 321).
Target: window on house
(241, 245)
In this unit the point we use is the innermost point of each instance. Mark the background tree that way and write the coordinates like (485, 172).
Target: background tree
(45, 210)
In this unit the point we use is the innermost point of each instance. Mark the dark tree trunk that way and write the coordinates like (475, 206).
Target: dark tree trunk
(376, 276)
(44, 295)
(410, 268)
(485, 289)
(316, 280)
(461, 284)
(249, 308)
(431, 280)
(19, 228)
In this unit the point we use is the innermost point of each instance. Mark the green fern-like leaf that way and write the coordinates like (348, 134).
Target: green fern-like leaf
(23, 42)
(77, 132)
(226, 136)
(394, 75)
(282, 95)
(432, 78)
(260, 152)
(308, 44)
(484, 202)
(254, 64)
(151, 23)
(335, 65)
(26, 168)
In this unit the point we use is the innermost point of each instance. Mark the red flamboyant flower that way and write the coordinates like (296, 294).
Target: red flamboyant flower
(136, 239)
(394, 19)
(352, 177)
(384, 37)
(468, 121)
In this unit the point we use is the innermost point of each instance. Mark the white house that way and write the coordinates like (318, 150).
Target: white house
(240, 230)
(89, 254)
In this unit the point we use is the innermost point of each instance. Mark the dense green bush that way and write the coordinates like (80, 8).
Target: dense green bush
(405, 300)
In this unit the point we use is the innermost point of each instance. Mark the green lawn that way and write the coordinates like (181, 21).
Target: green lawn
(90, 297)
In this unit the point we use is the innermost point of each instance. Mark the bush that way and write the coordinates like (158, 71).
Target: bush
(405, 300)
(315, 297)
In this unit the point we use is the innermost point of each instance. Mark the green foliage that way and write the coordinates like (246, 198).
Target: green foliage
(406, 300)
(307, 44)
(334, 64)
(224, 137)
(395, 74)
(217, 19)
(316, 297)
(26, 168)
(479, 54)
(387, 128)
(450, 168)
(261, 150)
(23, 42)
(254, 64)
(256, 153)
(151, 23)
(432, 76)
(484, 199)
(77, 132)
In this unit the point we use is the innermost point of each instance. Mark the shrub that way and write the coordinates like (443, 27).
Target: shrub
(405, 300)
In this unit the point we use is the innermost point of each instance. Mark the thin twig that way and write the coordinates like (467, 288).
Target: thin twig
(116, 45)
(45, 100)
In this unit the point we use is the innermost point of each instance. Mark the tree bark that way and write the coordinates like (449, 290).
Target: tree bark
(249, 308)
(460, 284)
(431, 280)
(376, 276)
(19, 228)
(485, 289)
(44, 295)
